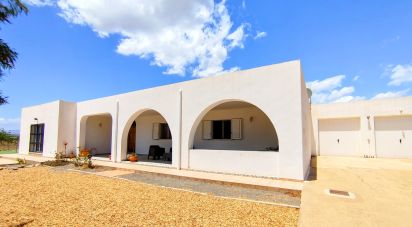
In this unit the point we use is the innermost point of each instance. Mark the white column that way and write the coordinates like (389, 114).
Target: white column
(179, 159)
(115, 129)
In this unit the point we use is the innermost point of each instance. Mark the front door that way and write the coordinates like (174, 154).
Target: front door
(131, 139)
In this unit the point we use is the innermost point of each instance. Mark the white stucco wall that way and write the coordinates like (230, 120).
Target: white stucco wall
(308, 139)
(253, 163)
(372, 113)
(67, 127)
(257, 134)
(144, 138)
(58, 119)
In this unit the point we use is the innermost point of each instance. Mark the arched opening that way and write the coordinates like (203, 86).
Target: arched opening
(234, 137)
(150, 138)
(98, 135)
(236, 125)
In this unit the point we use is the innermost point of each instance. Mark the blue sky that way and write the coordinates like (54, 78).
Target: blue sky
(77, 50)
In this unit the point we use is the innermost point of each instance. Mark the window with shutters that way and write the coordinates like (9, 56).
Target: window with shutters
(222, 129)
(161, 131)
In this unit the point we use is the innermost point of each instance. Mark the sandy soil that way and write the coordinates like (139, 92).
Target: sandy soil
(42, 196)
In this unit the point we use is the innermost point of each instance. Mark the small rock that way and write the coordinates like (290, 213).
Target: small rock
(37, 164)
(14, 168)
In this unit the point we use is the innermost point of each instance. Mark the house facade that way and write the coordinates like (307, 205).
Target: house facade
(256, 122)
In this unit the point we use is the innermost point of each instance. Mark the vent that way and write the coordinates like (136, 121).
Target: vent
(340, 193)
(368, 156)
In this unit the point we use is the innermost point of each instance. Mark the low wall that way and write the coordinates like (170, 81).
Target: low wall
(253, 163)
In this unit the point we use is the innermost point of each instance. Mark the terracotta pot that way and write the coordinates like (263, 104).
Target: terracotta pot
(84, 153)
(133, 158)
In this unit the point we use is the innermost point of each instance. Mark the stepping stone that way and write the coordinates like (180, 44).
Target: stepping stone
(114, 173)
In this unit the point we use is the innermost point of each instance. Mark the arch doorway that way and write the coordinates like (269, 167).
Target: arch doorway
(96, 135)
(150, 138)
(234, 137)
(236, 125)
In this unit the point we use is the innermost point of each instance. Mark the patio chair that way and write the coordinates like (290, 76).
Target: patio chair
(168, 156)
(156, 151)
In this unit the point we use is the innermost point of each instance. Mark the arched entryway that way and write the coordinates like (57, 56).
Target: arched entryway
(234, 137)
(96, 135)
(149, 137)
(235, 125)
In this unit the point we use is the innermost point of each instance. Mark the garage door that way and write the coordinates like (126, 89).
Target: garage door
(393, 136)
(339, 136)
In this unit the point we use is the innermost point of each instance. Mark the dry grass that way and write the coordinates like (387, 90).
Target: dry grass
(43, 197)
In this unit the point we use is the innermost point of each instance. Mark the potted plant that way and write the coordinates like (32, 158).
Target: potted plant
(132, 158)
(84, 153)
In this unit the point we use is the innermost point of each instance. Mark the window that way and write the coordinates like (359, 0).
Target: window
(222, 129)
(161, 131)
(36, 138)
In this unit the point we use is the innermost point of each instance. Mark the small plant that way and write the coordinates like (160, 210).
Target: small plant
(72, 155)
(21, 161)
(76, 161)
(83, 159)
(59, 156)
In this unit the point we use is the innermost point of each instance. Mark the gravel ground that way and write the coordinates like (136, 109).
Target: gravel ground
(271, 196)
(41, 197)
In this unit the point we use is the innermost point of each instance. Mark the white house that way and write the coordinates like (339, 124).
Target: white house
(255, 122)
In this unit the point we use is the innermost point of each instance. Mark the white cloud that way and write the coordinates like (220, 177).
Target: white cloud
(326, 84)
(331, 90)
(349, 98)
(243, 4)
(391, 94)
(39, 2)
(9, 123)
(260, 35)
(356, 78)
(392, 40)
(184, 36)
(237, 37)
(400, 74)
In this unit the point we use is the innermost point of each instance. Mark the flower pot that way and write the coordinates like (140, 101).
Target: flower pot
(133, 158)
(84, 153)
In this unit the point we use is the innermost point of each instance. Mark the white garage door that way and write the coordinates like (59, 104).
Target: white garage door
(393, 136)
(339, 136)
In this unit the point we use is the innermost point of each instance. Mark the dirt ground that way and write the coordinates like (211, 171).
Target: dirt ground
(40, 196)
